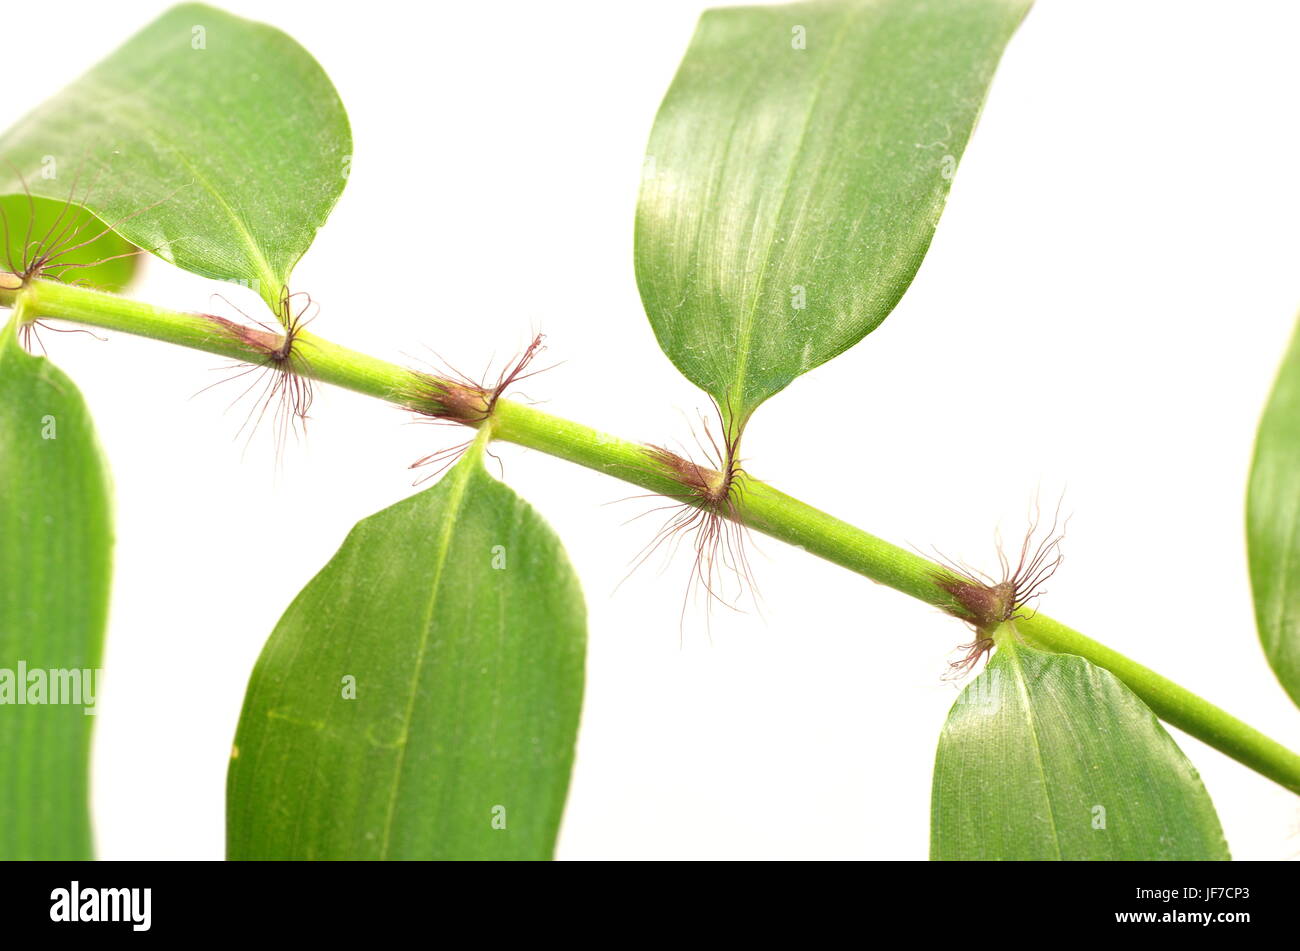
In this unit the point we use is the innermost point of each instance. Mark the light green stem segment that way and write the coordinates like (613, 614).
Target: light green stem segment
(759, 506)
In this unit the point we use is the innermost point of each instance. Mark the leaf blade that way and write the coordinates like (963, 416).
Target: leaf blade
(1273, 523)
(1045, 756)
(488, 719)
(55, 568)
(224, 159)
(758, 145)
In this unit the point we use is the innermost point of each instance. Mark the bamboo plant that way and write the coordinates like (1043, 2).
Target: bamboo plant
(784, 210)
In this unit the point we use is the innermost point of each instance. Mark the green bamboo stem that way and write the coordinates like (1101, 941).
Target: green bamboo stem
(761, 507)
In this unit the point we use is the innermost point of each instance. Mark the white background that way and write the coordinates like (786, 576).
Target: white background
(1103, 308)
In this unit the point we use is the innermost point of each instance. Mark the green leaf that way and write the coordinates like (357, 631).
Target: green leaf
(461, 620)
(79, 247)
(1273, 524)
(1045, 756)
(790, 193)
(56, 542)
(215, 142)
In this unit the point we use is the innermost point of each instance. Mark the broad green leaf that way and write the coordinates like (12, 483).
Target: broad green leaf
(1273, 524)
(794, 176)
(217, 143)
(55, 563)
(1045, 756)
(78, 246)
(458, 621)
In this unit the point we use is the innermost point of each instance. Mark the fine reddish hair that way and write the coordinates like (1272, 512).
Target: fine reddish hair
(985, 602)
(706, 511)
(280, 383)
(47, 256)
(454, 398)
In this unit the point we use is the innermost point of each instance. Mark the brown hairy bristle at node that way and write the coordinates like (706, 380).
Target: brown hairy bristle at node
(280, 373)
(708, 511)
(985, 602)
(454, 398)
(50, 256)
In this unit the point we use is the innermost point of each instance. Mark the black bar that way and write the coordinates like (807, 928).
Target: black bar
(333, 900)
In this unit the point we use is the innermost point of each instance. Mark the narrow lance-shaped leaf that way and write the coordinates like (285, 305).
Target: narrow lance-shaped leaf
(215, 142)
(1045, 756)
(420, 698)
(1273, 524)
(55, 564)
(795, 174)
